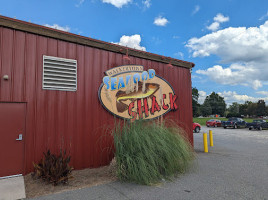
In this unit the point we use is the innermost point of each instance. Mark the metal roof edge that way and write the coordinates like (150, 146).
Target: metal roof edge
(82, 40)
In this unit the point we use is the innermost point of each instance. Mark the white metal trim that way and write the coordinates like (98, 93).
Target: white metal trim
(61, 75)
(58, 83)
(58, 79)
(58, 71)
(61, 59)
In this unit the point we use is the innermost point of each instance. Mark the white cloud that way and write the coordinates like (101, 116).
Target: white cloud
(214, 26)
(264, 93)
(156, 40)
(264, 16)
(256, 84)
(235, 74)
(179, 54)
(160, 21)
(56, 26)
(117, 3)
(79, 3)
(132, 41)
(233, 44)
(147, 3)
(196, 9)
(218, 19)
(232, 96)
(245, 49)
(202, 96)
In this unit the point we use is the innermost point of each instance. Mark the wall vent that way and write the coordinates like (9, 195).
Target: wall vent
(59, 73)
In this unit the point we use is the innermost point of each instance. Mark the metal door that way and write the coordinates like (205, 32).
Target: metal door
(12, 132)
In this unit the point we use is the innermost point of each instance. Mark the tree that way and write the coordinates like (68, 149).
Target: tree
(251, 108)
(243, 109)
(206, 109)
(234, 108)
(216, 103)
(261, 108)
(195, 104)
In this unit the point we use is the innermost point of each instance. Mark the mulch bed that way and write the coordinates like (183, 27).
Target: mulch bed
(81, 179)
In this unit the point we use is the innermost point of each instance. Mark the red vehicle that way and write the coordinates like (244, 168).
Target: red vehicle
(213, 123)
(196, 127)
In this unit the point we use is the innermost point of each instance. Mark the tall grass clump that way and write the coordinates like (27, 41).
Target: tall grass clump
(147, 152)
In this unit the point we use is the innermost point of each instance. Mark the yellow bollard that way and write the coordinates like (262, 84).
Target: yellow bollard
(205, 139)
(211, 138)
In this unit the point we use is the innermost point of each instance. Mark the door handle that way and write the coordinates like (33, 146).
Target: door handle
(20, 137)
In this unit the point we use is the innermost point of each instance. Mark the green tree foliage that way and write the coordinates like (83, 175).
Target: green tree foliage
(206, 109)
(253, 109)
(261, 108)
(195, 104)
(234, 108)
(243, 109)
(216, 103)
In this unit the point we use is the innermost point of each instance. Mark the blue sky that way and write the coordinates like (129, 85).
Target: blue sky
(227, 40)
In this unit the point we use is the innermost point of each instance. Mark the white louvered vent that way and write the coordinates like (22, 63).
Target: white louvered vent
(59, 74)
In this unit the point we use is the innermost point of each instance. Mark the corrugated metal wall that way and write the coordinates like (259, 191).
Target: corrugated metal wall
(75, 121)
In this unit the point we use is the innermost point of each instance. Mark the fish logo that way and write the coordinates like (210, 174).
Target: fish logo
(121, 96)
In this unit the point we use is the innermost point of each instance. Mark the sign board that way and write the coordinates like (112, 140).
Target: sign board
(129, 92)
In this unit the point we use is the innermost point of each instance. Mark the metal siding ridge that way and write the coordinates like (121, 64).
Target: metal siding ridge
(70, 37)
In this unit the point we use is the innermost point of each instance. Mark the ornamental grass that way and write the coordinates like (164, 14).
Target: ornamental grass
(148, 152)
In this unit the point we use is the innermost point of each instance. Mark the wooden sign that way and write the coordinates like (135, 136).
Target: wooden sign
(129, 92)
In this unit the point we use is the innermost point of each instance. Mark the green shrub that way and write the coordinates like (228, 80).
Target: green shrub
(147, 152)
(53, 169)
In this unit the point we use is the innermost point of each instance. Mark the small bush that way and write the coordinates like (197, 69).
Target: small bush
(147, 152)
(54, 169)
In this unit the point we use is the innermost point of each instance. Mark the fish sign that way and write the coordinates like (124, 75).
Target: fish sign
(129, 92)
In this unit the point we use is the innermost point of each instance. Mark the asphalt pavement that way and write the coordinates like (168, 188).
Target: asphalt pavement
(235, 168)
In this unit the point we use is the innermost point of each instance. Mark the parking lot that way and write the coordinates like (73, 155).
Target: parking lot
(235, 168)
(244, 135)
(238, 162)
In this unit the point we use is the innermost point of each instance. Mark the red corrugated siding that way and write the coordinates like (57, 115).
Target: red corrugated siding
(75, 121)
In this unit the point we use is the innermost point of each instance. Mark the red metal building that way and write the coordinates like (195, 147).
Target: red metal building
(34, 118)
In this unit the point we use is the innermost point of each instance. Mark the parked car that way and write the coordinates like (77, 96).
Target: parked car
(234, 122)
(196, 127)
(257, 124)
(213, 122)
